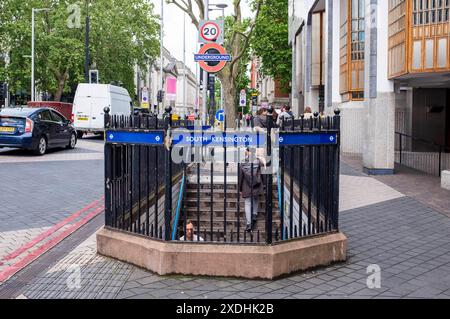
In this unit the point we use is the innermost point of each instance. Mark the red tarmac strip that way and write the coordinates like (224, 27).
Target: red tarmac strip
(49, 232)
(13, 269)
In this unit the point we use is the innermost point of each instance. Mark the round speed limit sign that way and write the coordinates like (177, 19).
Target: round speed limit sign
(210, 31)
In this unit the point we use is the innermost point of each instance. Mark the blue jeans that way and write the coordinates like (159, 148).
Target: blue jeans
(249, 213)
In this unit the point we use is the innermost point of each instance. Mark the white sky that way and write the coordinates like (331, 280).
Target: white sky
(173, 28)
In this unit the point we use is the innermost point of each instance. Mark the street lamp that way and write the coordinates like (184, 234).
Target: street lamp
(87, 54)
(33, 11)
(220, 7)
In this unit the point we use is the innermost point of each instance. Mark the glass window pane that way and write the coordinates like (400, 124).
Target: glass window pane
(355, 9)
(361, 8)
(442, 53)
(429, 53)
(417, 54)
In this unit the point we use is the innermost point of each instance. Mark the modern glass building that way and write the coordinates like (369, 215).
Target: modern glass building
(386, 65)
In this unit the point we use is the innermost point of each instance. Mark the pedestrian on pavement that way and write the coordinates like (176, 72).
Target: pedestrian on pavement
(275, 118)
(260, 121)
(308, 113)
(285, 115)
(250, 188)
(248, 119)
(190, 235)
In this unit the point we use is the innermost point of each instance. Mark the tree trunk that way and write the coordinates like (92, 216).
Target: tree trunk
(229, 95)
(229, 98)
(61, 84)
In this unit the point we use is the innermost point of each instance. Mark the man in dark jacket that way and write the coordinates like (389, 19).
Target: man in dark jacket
(250, 187)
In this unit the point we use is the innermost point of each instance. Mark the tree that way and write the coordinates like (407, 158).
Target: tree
(238, 32)
(123, 33)
(270, 41)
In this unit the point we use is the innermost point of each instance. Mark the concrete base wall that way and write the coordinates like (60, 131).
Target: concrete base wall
(445, 180)
(241, 261)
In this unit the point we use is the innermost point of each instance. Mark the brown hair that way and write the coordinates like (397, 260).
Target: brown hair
(308, 109)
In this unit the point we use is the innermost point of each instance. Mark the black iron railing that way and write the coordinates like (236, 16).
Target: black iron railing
(143, 181)
(420, 154)
(311, 179)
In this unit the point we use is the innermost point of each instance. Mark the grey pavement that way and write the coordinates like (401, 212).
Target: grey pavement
(407, 240)
(39, 192)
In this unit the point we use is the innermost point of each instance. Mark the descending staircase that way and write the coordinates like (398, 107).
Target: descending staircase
(233, 209)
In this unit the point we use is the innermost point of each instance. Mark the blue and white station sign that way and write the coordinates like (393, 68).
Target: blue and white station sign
(212, 57)
(220, 115)
(228, 139)
(292, 139)
(124, 137)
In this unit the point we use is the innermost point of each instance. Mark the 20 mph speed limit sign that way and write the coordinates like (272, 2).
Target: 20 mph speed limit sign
(211, 31)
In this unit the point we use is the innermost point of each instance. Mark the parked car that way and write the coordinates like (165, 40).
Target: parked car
(35, 129)
(89, 104)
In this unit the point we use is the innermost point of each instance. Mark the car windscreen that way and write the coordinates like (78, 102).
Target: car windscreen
(13, 121)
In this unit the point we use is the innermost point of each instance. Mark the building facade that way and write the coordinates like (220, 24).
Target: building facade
(385, 64)
(151, 79)
(270, 90)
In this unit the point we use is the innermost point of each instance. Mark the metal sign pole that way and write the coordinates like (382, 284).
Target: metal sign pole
(184, 65)
(162, 56)
(205, 75)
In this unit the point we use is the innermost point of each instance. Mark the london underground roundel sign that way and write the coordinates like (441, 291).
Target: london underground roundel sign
(210, 31)
(212, 47)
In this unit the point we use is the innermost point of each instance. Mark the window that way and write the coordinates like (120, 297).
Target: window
(357, 95)
(45, 116)
(57, 117)
(430, 11)
(357, 27)
(352, 47)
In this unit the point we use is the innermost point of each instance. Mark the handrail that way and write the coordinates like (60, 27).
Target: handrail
(423, 140)
(442, 148)
(177, 215)
(280, 203)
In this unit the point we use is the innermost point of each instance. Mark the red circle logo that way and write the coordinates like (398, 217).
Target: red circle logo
(220, 65)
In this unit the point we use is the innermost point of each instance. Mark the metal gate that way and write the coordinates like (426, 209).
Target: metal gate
(163, 176)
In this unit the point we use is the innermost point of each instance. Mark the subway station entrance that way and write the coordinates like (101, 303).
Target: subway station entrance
(247, 202)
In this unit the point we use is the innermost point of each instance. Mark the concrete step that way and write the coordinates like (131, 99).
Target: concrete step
(244, 237)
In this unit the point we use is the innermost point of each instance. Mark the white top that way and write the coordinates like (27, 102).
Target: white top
(196, 238)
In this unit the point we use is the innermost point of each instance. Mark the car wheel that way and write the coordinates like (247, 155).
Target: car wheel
(80, 135)
(72, 141)
(42, 147)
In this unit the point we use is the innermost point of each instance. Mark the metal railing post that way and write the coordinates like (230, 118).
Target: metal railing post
(401, 147)
(269, 180)
(107, 122)
(168, 177)
(336, 172)
(440, 160)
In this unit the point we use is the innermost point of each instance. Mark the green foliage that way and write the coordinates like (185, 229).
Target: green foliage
(270, 40)
(123, 33)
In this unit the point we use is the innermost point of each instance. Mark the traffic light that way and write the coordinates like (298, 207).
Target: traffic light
(160, 96)
(3, 89)
(211, 82)
(93, 76)
(254, 100)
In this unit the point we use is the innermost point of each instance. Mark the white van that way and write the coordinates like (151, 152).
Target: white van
(90, 101)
